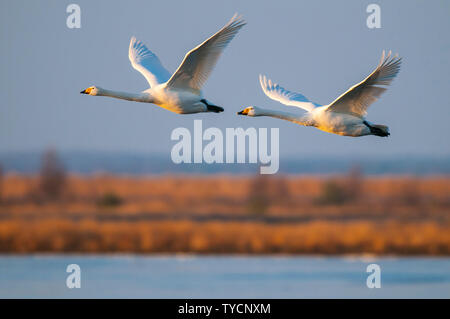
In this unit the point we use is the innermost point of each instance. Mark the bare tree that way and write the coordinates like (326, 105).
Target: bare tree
(259, 198)
(349, 189)
(332, 193)
(52, 176)
(354, 183)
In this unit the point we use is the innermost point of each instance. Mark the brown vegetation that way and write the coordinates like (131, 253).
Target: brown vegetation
(225, 214)
(1, 181)
(324, 237)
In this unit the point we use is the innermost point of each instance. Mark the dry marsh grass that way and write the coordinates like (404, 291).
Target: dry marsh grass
(316, 237)
(226, 214)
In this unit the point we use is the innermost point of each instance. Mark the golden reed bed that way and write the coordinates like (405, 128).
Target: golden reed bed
(223, 214)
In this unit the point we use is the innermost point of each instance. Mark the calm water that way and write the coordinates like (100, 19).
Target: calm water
(222, 277)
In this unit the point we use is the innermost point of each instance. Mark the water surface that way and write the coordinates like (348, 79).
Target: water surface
(132, 276)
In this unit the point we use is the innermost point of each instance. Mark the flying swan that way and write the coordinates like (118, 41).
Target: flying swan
(181, 92)
(346, 115)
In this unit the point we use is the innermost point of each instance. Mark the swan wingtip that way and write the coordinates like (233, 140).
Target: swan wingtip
(238, 20)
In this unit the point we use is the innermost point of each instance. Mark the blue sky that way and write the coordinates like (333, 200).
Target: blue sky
(318, 48)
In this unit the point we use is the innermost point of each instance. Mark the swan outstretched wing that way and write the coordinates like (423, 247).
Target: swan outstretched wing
(280, 94)
(199, 62)
(146, 62)
(360, 96)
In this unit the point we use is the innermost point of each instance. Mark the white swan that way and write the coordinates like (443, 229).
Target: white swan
(181, 92)
(345, 116)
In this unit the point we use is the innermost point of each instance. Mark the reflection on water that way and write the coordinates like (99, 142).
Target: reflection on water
(133, 276)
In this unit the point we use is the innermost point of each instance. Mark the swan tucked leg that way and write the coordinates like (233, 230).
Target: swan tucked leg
(378, 129)
(212, 108)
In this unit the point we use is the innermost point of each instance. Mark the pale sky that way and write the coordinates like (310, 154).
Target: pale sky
(318, 48)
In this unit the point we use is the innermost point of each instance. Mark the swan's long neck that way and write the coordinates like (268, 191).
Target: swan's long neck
(137, 97)
(298, 119)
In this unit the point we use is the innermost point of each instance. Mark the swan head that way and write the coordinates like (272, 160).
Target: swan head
(251, 111)
(92, 90)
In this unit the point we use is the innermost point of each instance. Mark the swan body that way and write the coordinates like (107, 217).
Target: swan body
(180, 92)
(346, 115)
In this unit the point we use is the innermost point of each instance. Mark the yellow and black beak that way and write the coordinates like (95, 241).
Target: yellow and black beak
(243, 112)
(87, 91)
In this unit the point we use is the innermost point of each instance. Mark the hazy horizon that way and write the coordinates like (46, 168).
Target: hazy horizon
(142, 164)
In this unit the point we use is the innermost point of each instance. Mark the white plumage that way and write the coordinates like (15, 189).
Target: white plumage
(181, 92)
(146, 62)
(344, 116)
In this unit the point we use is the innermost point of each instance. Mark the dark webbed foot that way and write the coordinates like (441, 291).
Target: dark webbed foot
(376, 131)
(212, 108)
